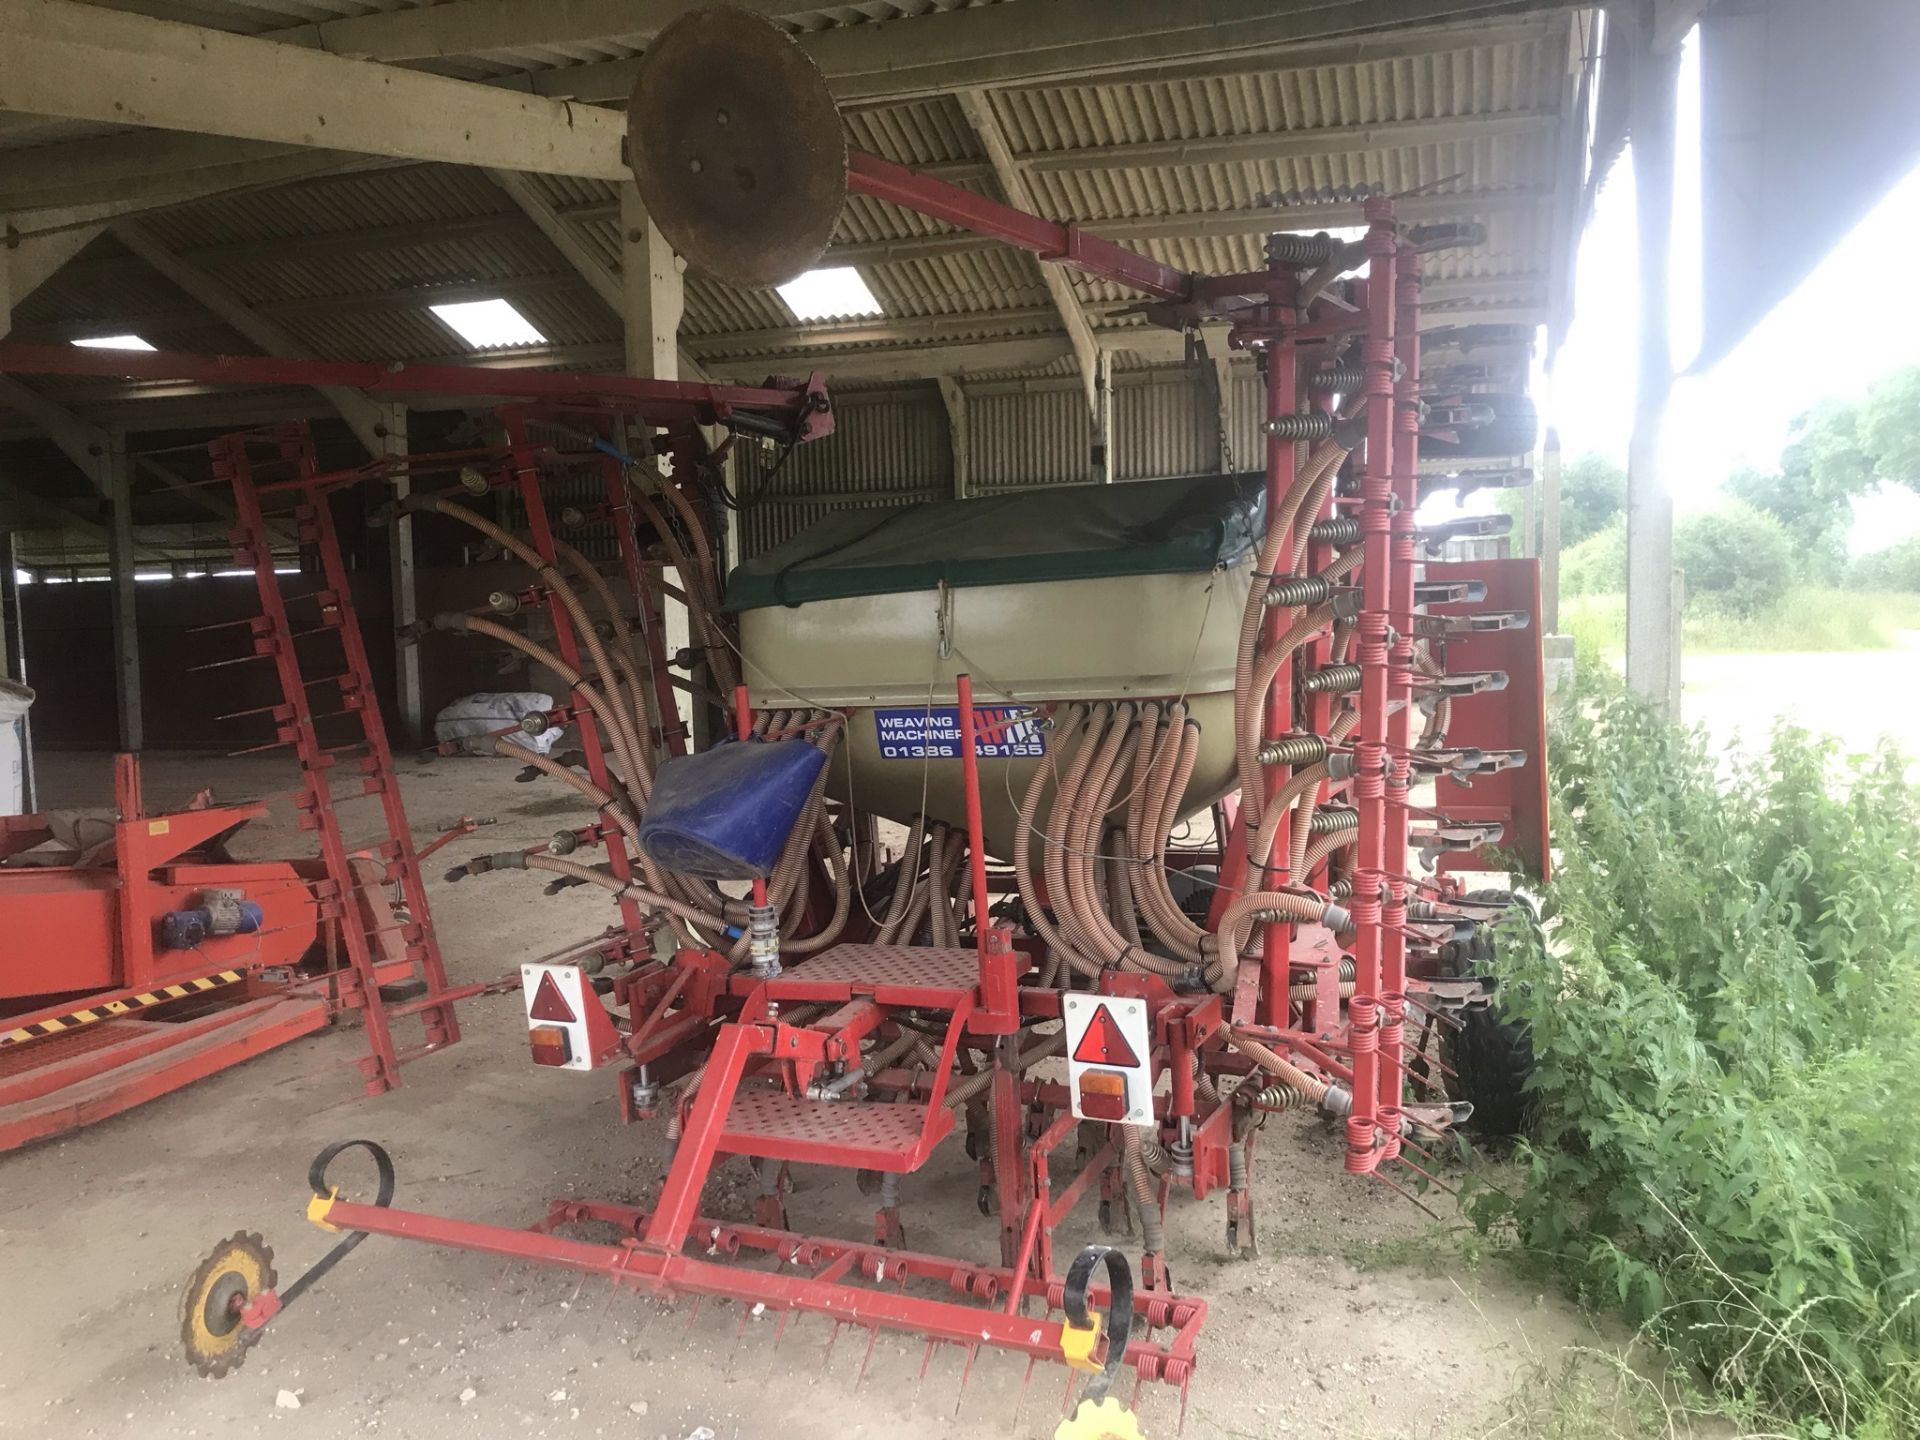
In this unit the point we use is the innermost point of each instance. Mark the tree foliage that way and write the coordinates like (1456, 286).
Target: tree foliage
(1837, 452)
(1736, 557)
(1598, 564)
(1895, 568)
(1593, 494)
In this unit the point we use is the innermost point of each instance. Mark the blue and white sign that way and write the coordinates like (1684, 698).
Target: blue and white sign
(1000, 732)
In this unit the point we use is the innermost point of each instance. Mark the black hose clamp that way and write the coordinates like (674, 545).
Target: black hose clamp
(1081, 1337)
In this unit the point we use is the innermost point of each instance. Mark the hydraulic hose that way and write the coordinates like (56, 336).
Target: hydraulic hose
(905, 875)
(1146, 1194)
(1322, 461)
(1263, 905)
(1056, 942)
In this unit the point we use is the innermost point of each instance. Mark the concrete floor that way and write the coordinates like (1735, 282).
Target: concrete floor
(99, 1231)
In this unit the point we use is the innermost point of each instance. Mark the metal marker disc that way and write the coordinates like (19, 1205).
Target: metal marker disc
(737, 148)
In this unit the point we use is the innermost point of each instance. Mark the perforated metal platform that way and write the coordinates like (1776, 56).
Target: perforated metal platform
(920, 975)
(774, 1124)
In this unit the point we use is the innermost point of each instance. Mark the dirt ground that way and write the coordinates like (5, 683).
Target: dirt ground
(1356, 1320)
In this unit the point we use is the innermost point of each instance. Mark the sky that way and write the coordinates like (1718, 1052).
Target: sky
(1737, 413)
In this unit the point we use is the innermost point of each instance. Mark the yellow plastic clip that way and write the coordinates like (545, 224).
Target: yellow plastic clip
(319, 1206)
(1105, 1419)
(1077, 1345)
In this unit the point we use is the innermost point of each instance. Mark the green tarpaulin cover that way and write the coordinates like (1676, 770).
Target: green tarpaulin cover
(1064, 532)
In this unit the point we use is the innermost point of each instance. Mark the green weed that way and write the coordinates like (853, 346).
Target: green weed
(1725, 1031)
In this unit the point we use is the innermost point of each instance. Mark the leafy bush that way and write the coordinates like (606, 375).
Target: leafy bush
(1593, 494)
(1737, 558)
(1598, 564)
(1895, 568)
(1724, 1034)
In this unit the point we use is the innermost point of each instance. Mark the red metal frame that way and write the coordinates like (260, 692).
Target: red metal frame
(290, 451)
(803, 404)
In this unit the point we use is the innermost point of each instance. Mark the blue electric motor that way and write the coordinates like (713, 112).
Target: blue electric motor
(726, 813)
(221, 912)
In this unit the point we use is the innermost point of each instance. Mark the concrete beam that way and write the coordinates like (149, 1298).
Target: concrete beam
(158, 167)
(977, 107)
(584, 259)
(959, 437)
(117, 472)
(87, 446)
(363, 416)
(1653, 661)
(653, 292)
(83, 62)
(409, 710)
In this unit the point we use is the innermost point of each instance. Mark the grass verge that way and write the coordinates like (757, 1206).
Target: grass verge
(1808, 619)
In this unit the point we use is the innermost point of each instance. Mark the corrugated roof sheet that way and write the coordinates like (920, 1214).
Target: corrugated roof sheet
(437, 226)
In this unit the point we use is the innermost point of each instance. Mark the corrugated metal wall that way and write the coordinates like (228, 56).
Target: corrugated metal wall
(1163, 424)
(1249, 407)
(892, 447)
(1024, 435)
(887, 448)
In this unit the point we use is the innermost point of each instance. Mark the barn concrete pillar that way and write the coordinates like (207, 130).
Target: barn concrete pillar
(1652, 625)
(653, 292)
(410, 720)
(116, 479)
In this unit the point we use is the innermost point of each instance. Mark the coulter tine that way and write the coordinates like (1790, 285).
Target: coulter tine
(1406, 1194)
(827, 1359)
(927, 1359)
(873, 1338)
(1430, 1179)
(785, 1316)
(1181, 1428)
(966, 1373)
(1066, 1398)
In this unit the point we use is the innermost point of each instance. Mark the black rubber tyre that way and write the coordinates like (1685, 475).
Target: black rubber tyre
(1514, 430)
(1491, 1057)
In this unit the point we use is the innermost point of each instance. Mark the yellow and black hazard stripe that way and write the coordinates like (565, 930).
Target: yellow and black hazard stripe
(59, 1023)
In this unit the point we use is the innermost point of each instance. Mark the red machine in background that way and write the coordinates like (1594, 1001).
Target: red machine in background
(148, 957)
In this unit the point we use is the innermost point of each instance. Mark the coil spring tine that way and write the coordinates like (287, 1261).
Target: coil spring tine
(1333, 679)
(1340, 530)
(1346, 380)
(1293, 750)
(1306, 425)
(1298, 590)
(1333, 820)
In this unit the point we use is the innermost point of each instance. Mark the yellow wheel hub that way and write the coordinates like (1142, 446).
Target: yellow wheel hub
(238, 1271)
(1105, 1419)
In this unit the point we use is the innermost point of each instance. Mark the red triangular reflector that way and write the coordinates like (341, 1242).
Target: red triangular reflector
(1103, 1043)
(550, 1004)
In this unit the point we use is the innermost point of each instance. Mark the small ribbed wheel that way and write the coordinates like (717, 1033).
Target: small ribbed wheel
(238, 1271)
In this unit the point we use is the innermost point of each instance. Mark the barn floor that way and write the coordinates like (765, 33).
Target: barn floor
(1321, 1336)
